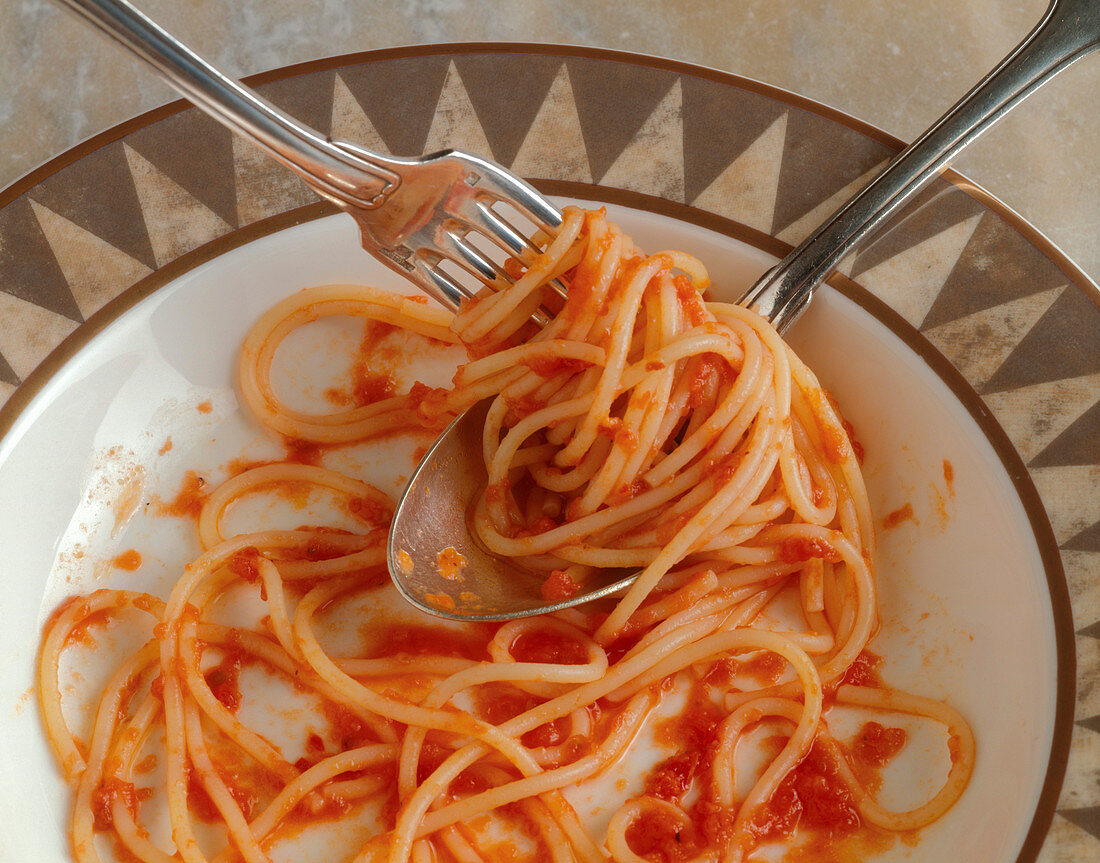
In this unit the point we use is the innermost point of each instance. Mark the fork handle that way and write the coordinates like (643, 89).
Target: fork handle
(1069, 30)
(346, 179)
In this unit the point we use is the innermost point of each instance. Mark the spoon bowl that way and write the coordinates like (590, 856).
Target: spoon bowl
(436, 561)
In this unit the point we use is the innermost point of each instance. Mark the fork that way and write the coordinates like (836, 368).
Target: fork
(420, 216)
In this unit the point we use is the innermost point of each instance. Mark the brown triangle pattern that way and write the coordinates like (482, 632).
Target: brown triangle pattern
(1092, 723)
(719, 125)
(998, 265)
(1078, 444)
(933, 210)
(613, 102)
(263, 187)
(28, 268)
(196, 152)
(7, 373)
(97, 193)
(506, 92)
(399, 97)
(1087, 819)
(307, 98)
(1062, 344)
(1086, 540)
(819, 158)
(1092, 630)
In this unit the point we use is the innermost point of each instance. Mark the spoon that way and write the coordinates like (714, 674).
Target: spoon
(431, 516)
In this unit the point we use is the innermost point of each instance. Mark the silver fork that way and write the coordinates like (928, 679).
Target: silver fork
(420, 215)
(417, 215)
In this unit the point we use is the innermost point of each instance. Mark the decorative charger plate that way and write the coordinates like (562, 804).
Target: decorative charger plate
(994, 310)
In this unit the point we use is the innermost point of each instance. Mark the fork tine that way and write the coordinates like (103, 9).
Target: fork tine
(489, 272)
(510, 189)
(512, 240)
(440, 285)
(505, 235)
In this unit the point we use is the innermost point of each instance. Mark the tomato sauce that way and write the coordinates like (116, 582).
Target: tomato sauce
(660, 836)
(708, 376)
(348, 730)
(372, 511)
(245, 564)
(875, 744)
(129, 560)
(224, 679)
(397, 639)
(671, 779)
(864, 671)
(82, 632)
(112, 790)
(559, 586)
(691, 301)
(897, 516)
(812, 795)
(548, 646)
(189, 500)
(797, 549)
(450, 563)
(767, 668)
(547, 367)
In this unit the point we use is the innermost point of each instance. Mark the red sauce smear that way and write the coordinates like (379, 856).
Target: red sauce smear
(245, 564)
(660, 836)
(559, 586)
(370, 510)
(348, 729)
(798, 549)
(671, 779)
(302, 451)
(857, 447)
(224, 679)
(811, 795)
(128, 560)
(547, 367)
(767, 668)
(203, 807)
(691, 302)
(113, 789)
(545, 645)
(864, 671)
(205, 407)
(949, 477)
(711, 373)
(450, 563)
(498, 704)
(902, 513)
(420, 640)
(875, 745)
(189, 500)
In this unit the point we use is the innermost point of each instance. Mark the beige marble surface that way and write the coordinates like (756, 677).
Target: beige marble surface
(894, 63)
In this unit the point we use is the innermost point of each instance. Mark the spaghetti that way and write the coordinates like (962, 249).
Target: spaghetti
(642, 427)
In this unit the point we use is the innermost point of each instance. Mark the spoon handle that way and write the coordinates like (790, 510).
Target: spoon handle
(1069, 30)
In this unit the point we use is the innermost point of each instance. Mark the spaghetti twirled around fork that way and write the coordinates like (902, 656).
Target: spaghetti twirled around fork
(642, 427)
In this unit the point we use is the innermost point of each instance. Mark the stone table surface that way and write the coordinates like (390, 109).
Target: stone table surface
(893, 63)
